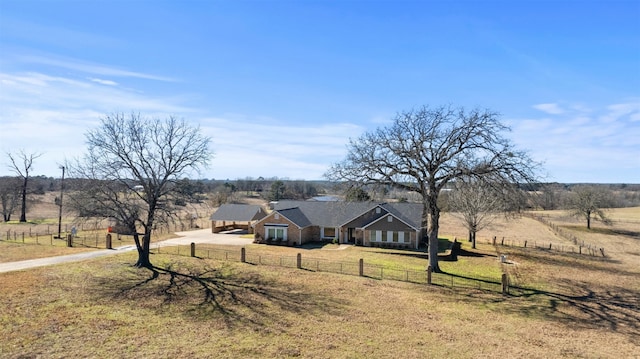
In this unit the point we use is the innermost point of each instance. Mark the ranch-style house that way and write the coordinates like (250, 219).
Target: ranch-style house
(395, 225)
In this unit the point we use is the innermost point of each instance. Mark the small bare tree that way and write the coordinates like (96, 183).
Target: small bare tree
(131, 169)
(587, 202)
(22, 164)
(9, 196)
(478, 203)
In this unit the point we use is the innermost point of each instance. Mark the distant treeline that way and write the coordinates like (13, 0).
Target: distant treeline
(544, 195)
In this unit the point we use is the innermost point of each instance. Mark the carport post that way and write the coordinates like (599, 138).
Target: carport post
(193, 249)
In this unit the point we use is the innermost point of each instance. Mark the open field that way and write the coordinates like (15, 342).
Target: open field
(560, 305)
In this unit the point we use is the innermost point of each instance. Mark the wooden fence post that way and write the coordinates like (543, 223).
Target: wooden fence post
(108, 241)
(299, 261)
(505, 283)
(429, 270)
(193, 249)
(361, 267)
(494, 240)
(243, 255)
(69, 241)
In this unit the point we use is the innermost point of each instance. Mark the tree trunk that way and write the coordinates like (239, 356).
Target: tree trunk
(473, 240)
(433, 240)
(144, 251)
(588, 220)
(23, 212)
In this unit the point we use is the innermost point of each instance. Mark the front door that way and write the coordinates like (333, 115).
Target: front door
(351, 235)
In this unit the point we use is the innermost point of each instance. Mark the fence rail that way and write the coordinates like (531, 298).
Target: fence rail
(29, 230)
(360, 268)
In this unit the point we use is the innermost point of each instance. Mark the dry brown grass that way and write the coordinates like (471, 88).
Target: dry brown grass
(562, 306)
(202, 308)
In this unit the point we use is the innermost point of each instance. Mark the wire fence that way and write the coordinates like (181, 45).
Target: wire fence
(548, 246)
(360, 268)
(92, 235)
(580, 246)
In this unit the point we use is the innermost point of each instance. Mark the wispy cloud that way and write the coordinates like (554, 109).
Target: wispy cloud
(248, 147)
(103, 82)
(588, 144)
(550, 108)
(87, 67)
(52, 113)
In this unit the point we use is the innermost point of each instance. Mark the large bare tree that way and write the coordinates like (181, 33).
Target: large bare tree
(131, 169)
(423, 150)
(21, 164)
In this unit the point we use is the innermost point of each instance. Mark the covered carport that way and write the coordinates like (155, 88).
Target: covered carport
(236, 216)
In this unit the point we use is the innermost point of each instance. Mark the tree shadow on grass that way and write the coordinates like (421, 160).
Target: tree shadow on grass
(575, 304)
(574, 260)
(617, 308)
(206, 293)
(441, 257)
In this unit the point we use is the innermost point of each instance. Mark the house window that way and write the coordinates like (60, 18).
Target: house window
(328, 232)
(378, 210)
(276, 232)
(386, 236)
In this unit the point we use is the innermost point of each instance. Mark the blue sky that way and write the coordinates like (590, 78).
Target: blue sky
(281, 86)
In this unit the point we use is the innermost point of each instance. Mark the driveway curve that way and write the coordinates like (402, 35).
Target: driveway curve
(185, 238)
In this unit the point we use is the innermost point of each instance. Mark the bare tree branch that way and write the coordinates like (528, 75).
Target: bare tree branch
(424, 150)
(22, 164)
(129, 151)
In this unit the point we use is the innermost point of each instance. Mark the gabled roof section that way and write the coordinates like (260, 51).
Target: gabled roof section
(389, 210)
(239, 213)
(296, 216)
(410, 213)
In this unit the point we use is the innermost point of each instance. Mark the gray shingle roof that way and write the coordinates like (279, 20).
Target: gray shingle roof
(337, 213)
(296, 216)
(238, 212)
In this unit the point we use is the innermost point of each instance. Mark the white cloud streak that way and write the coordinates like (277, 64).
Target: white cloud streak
(550, 108)
(585, 145)
(50, 114)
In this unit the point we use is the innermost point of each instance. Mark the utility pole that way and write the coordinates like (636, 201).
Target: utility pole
(60, 204)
